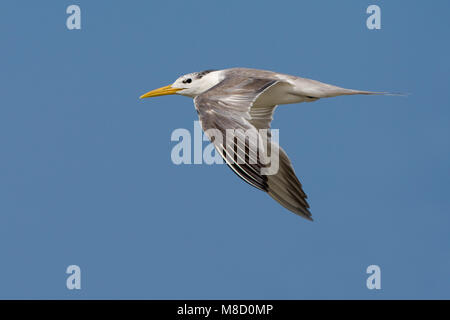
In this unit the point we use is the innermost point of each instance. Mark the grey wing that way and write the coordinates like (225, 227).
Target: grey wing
(230, 106)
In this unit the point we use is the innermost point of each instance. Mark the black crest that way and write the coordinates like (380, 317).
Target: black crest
(199, 75)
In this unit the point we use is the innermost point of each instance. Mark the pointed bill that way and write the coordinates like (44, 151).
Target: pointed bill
(160, 92)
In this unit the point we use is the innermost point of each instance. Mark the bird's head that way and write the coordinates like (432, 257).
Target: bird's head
(191, 84)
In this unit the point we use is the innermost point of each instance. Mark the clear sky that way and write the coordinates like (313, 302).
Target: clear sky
(86, 176)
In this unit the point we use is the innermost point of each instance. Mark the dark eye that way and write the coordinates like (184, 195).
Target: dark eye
(187, 80)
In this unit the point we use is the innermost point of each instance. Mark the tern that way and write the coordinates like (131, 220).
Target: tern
(245, 99)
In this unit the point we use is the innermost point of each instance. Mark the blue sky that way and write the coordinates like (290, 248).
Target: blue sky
(86, 176)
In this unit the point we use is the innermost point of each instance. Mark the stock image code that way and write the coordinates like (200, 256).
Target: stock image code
(224, 159)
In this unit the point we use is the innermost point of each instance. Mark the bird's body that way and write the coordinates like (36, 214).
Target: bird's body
(242, 101)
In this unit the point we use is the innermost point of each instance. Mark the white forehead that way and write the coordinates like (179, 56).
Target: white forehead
(196, 75)
(185, 77)
(200, 82)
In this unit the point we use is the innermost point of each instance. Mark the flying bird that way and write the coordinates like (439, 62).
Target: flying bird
(245, 99)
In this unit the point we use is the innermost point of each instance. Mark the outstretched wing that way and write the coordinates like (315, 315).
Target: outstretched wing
(230, 107)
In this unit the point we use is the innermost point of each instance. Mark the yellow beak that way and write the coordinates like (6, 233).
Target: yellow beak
(160, 92)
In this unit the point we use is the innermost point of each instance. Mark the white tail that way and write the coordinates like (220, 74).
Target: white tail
(317, 89)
